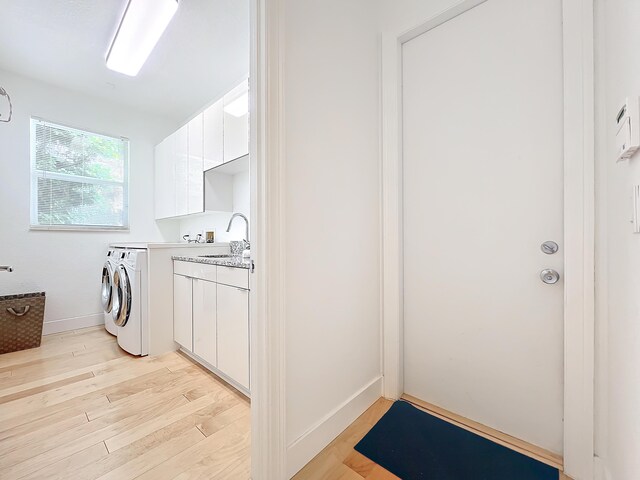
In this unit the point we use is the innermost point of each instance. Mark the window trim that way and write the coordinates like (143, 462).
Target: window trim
(35, 174)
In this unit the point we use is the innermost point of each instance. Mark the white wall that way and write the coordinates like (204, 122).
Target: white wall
(67, 265)
(218, 221)
(332, 220)
(618, 325)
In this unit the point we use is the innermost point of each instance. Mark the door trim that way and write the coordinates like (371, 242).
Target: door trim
(579, 221)
(266, 304)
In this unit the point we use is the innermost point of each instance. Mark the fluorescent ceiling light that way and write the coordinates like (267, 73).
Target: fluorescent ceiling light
(239, 107)
(142, 25)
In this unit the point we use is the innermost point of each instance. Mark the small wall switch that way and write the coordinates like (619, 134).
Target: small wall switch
(635, 219)
(627, 139)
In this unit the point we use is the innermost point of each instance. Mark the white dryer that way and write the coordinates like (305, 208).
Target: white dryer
(110, 265)
(130, 309)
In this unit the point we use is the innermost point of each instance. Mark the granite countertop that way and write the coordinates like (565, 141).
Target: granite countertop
(227, 261)
(154, 245)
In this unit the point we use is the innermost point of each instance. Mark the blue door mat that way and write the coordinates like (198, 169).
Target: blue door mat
(414, 445)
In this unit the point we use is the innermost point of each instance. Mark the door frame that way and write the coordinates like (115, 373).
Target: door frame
(266, 142)
(579, 221)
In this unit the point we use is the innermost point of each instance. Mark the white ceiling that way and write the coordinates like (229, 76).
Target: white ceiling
(203, 52)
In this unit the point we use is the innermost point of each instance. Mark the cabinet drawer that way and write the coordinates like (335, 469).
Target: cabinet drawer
(195, 270)
(237, 277)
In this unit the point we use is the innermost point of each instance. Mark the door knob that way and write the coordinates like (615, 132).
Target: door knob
(549, 276)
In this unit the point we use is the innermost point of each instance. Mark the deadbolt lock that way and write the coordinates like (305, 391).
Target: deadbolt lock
(549, 247)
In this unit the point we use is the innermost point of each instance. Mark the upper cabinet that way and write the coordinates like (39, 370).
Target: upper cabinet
(195, 184)
(218, 135)
(214, 135)
(181, 160)
(179, 184)
(236, 122)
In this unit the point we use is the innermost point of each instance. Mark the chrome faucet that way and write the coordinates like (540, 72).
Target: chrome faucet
(6, 268)
(188, 238)
(246, 221)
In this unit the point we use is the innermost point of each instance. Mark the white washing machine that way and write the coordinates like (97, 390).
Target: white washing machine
(110, 265)
(129, 307)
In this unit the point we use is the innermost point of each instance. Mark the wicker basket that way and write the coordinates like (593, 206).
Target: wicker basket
(21, 318)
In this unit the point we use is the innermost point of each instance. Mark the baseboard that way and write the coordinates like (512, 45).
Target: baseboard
(310, 443)
(601, 472)
(67, 324)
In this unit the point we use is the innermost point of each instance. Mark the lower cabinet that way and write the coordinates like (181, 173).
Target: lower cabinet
(211, 320)
(204, 320)
(233, 333)
(183, 311)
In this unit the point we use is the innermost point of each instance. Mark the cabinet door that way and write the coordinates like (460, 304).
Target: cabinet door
(236, 122)
(182, 311)
(213, 135)
(195, 166)
(204, 320)
(233, 333)
(181, 161)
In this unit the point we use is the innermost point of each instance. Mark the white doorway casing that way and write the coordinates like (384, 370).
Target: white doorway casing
(578, 221)
(268, 437)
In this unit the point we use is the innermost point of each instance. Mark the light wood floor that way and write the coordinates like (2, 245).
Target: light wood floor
(339, 461)
(80, 408)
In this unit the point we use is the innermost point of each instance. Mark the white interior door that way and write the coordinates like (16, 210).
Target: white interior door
(482, 190)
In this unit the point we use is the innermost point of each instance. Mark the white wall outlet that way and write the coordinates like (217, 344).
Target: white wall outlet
(628, 129)
(210, 235)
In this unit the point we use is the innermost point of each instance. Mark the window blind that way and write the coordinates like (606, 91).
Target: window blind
(79, 178)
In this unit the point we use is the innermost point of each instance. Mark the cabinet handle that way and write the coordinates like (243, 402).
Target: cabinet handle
(25, 310)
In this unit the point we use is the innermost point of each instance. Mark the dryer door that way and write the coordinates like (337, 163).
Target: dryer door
(122, 297)
(107, 287)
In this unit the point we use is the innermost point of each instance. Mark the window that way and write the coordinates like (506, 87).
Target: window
(78, 179)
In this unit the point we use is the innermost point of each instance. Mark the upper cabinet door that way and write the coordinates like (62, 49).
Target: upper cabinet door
(213, 135)
(236, 122)
(181, 160)
(195, 186)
